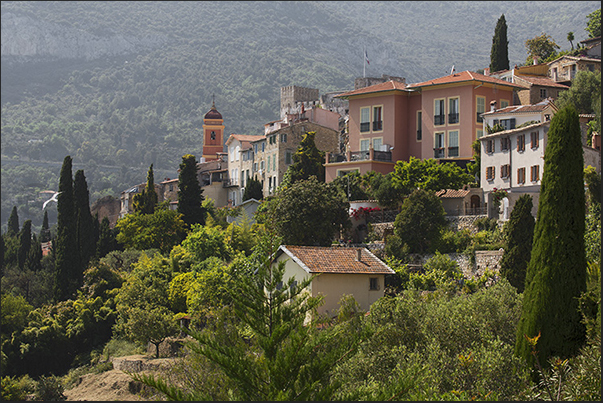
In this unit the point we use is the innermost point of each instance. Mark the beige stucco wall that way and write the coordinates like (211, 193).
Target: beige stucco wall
(334, 286)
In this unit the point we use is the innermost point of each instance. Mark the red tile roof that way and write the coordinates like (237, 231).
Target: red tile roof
(381, 87)
(543, 81)
(534, 108)
(335, 259)
(462, 77)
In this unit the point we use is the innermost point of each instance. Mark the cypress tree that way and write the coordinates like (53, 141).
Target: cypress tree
(190, 194)
(520, 233)
(34, 256)
(556, 274)
(66, 246)
(307, 161)
(85, 223)
(45, 231)
(24, 244)
(253, 190)
(499, 54)
(106, 239)
(146, 201)
(13, 223)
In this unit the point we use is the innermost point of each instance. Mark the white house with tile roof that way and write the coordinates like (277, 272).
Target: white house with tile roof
(339, 271)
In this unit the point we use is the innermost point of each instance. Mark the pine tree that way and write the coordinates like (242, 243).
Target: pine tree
(190, 194)
(146, 201)
(45, 231)
(24, 243)
(307, 161)
(556, 274)
(499, 54)
(13, 223)
(520, 233)
(66, 246)
(253, 190)
(86, 237)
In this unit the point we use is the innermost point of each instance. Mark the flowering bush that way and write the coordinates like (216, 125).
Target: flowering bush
(362, 212)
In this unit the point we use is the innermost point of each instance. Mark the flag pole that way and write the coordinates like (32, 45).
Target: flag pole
(364, 61)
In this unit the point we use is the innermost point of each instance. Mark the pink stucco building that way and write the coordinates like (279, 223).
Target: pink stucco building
(439, 118)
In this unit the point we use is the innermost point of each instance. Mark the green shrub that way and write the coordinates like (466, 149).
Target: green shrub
(17, 389)
(49, 388)
(120, 348)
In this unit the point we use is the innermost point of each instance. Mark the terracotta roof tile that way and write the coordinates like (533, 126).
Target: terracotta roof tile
(464, 76)
(534, 108)
(452, 193)
(543, 81)
(336, 259)
(381, 87)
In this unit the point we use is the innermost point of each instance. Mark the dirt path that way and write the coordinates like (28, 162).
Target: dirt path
(116, 385)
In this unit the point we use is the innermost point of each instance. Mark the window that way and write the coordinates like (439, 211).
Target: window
(453, 110)
(481, 108)
(521, 176)
(365, 119)
(377, 118)
(507, 124)
(377, 143)
(288, 157)
(480, 133)
(503, 103)
(231, 154)
(274, 162)
(534, 139)
(373, 283)
(535, 173)
(262, 165)
(453, 143)
(438, 151)
(364, 144)
(505, 143)
(255, 167)
(213, 135)
(270, 184)
(505, 171)
(543, 93)
(268, 167)
(237, 151)
(283, 137)
(489, 146)
(439, 112)
(490, 173)
(263, 146)
(419, 125)
(255, 148)
(521, 142)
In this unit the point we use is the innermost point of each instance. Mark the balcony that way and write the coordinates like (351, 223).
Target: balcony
(378, 125)
(365, 127)
(384, 156)
(453, 151)
(227, 183)
(439, 119)
(453, 118)
(439, 152)
(480, 119)
(360, 155)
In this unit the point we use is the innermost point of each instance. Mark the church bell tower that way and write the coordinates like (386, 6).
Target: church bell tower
(213, 133)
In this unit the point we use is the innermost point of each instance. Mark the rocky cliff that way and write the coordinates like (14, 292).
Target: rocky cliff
(25, 39)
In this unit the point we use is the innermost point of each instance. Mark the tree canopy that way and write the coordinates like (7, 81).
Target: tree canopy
(429, 174)
(190, 193)
(499, 54)
(543, 47)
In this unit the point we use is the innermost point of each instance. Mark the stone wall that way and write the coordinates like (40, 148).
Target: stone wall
(461, 222)
(484, 259)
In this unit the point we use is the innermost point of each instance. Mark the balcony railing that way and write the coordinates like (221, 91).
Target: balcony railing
(333, 158)
(453, 151)
(453, 118)
(378, 125)
(229, 183)
(439, 152)
(419, 135)
(382, 156)
(480, 119)
(439, 119)
(365, 126)
(359, 155)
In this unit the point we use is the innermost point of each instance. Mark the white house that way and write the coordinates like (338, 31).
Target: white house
(339, 271)
(240, 159)
(513, 160)
(514, 116)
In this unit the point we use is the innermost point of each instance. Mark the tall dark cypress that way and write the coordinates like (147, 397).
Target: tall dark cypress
(499, 54)
(520, 233)
(85, 223)
(556, 274)
(146, 201)
(66, 246)
(190, 194)
(106, 239)
(45, 231)
(24, 243)
(13, 223)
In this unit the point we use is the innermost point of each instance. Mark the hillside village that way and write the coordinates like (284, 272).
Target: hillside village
(266, 274)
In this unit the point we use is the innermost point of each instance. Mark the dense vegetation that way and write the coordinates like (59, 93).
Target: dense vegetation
(118, 115)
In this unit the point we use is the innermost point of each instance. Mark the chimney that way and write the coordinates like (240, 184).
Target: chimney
(487, 71)
(493, 106)
(535, 60)
(359, 254)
